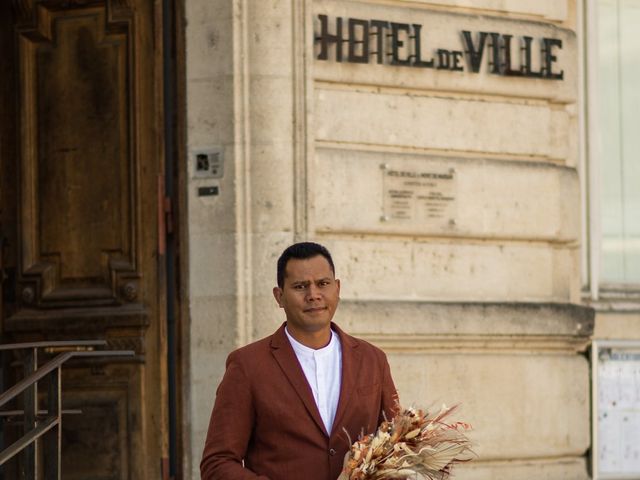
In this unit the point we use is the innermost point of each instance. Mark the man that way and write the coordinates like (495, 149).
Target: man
(289, 404)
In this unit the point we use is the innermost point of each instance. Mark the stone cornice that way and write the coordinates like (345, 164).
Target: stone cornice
(521, 327)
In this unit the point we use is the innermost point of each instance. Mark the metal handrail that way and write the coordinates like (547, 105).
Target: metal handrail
(28, 438)
(58, 343)
(35, 428)
(50, 366)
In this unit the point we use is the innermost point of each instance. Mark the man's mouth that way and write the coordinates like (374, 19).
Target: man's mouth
(315, 309)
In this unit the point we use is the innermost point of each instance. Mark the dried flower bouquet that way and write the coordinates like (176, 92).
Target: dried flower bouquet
(414, 445)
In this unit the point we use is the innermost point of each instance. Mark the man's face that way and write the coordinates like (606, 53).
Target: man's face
(309, 295)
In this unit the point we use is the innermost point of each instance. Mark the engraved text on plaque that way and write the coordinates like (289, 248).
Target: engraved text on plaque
(420, 197)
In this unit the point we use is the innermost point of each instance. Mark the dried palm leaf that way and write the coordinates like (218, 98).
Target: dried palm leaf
(414, 445)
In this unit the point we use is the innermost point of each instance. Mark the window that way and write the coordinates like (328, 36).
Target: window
(613, 48)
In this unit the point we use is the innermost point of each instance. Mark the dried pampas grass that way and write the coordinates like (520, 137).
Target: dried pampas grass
(414, 445)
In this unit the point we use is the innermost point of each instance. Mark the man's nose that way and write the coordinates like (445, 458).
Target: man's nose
(313, 292)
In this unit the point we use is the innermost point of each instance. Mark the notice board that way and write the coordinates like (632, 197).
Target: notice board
(616, 409)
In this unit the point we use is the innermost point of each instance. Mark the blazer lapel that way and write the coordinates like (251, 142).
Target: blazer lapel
(286, 358)
(351, 364)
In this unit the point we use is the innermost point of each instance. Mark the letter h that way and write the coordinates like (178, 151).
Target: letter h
(326, 38)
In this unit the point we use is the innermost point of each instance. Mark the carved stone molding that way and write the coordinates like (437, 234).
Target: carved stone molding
(464, 344)
(491, 327)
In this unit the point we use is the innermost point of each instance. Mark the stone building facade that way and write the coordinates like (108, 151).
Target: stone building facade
(471, 164)
(438, 149)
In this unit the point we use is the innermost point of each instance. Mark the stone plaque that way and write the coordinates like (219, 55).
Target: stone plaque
(421, 197)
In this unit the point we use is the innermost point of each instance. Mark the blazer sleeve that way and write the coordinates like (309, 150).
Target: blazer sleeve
(390, 400)
(230, 428)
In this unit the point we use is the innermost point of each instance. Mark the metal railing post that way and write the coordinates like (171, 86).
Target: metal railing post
(53, 439)
(30, 456)
(33, 466)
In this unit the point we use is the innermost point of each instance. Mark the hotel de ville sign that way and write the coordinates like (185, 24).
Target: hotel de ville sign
(355, 40)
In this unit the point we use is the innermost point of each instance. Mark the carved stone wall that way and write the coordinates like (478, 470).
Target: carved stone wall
(479, 310)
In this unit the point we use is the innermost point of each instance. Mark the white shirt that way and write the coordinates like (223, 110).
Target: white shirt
(323, 369)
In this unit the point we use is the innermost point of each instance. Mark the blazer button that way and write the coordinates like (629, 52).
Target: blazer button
(332, 452)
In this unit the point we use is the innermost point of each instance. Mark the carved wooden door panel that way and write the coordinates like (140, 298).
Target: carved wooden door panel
(81, 158)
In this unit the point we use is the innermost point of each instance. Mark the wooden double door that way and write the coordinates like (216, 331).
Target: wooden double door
(83, 217)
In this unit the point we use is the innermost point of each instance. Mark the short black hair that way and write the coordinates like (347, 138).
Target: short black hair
(301, 251)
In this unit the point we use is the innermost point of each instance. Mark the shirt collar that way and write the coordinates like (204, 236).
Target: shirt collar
(304, 350)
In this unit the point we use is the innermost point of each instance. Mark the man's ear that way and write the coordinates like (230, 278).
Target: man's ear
(277, 294)
(338, 284)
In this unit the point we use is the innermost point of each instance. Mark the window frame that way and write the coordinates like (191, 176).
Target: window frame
(593, 288)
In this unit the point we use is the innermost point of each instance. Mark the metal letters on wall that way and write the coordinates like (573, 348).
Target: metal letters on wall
(356, 40)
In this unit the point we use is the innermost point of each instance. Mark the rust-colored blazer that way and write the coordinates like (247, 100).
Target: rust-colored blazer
(265, 415)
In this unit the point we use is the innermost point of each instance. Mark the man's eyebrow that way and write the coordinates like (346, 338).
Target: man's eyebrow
(306, 282)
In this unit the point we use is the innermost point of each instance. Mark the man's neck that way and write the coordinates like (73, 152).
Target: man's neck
(316, 339)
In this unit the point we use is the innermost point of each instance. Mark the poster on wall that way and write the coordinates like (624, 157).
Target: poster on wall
(616, 425)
